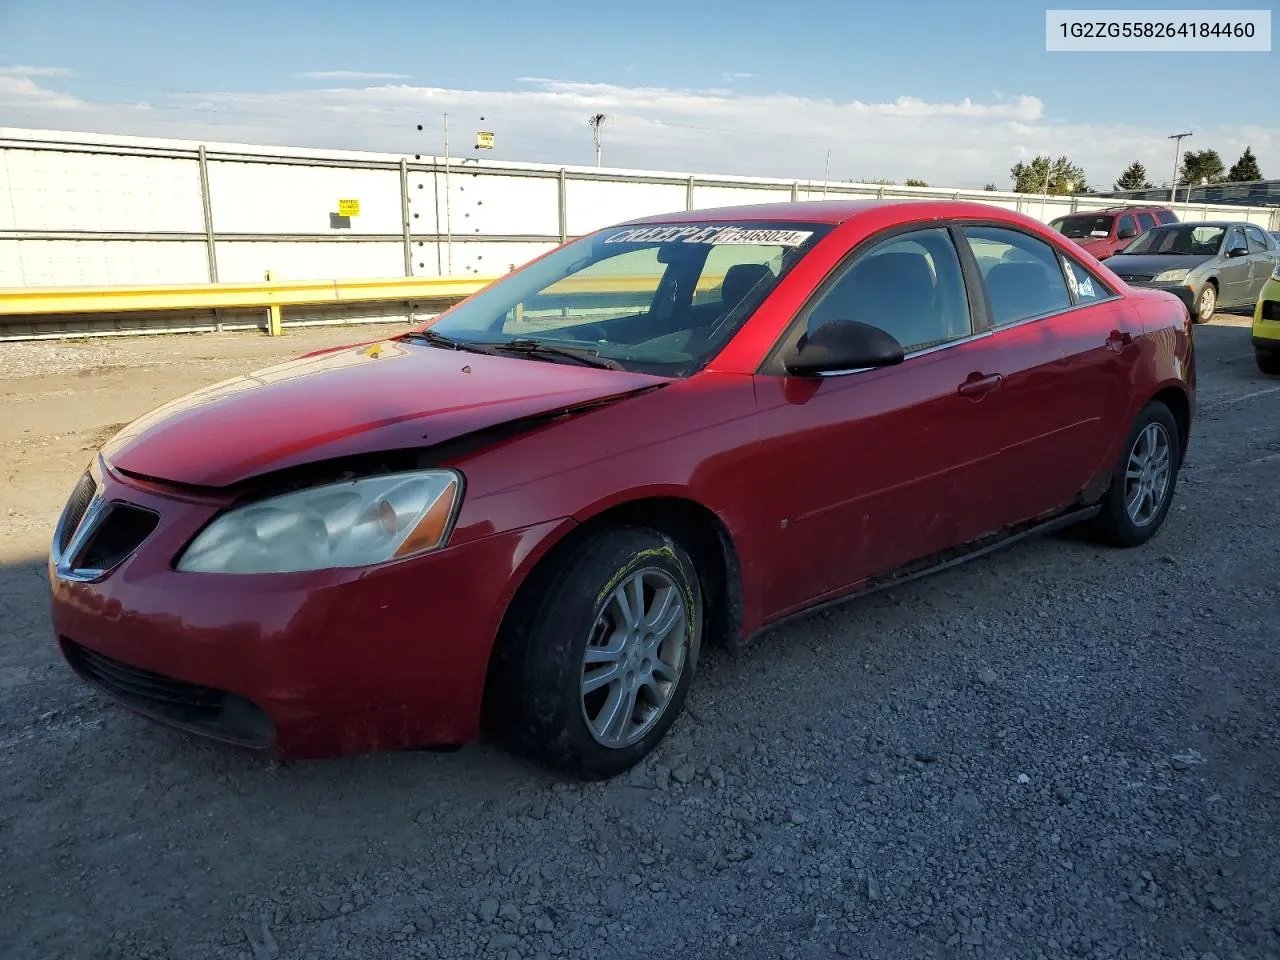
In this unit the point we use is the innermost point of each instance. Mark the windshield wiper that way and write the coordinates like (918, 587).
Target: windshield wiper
(448, 343)
(589, 358)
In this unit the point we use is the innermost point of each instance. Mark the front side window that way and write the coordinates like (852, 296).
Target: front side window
(909, 285)
(655, 298)
(1127, 227)
(1022, 273)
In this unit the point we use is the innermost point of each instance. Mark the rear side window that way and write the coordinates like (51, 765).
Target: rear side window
(1145, 222)
(1167, 216)
(1023, 275)
(1257, 242)
(1084, 286)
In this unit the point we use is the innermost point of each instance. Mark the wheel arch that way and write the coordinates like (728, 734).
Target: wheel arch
(1175, 397)
(690, 523)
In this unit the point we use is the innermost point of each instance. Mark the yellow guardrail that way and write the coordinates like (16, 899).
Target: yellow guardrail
(269, 294)
(272, 295)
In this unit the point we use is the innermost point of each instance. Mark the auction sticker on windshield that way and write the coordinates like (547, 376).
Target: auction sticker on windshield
(710, 235)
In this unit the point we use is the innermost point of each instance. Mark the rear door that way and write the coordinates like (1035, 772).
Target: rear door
(1064, 344)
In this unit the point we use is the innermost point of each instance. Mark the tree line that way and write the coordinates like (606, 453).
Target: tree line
(1061, 176)
(1197, 165)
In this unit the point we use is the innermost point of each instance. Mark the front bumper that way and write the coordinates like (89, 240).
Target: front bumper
(294, 665)
(1265, 332)
(1187, 294)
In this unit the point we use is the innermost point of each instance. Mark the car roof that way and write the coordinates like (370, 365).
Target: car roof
(831, 211)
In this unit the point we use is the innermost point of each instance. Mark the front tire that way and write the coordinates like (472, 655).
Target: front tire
(1206, 304)
(1137, 502)
(1268, 362)
(597, 661)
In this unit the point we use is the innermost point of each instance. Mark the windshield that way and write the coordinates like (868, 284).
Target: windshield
(656, 298)
(1084, 225)
(1188, 239)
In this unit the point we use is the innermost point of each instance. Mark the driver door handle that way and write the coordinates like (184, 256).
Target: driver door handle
(979, 384)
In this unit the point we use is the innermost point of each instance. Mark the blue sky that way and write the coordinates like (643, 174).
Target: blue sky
(235, 69)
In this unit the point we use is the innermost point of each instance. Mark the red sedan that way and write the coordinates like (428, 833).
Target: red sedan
(538, 508)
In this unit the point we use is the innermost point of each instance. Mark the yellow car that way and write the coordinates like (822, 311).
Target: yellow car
(1266, 325)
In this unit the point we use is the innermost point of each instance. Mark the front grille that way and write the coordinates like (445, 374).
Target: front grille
(73, 513)
(119, 533)
(214, 713)
(1137, 277)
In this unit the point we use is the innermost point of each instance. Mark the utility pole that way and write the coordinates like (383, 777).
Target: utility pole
(1177, 140)
(448, 205)
(596, 120)
(826, 175)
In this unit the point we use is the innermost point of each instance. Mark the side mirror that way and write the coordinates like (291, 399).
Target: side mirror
(1237, 251)
(843, 345)
(1126, 233)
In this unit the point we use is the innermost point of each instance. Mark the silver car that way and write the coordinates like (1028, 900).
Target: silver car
(1210, 265)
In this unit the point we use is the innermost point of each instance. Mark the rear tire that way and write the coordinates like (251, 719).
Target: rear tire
(1268, 362)
(1206, 304)
(1142, 483)
(595, 665)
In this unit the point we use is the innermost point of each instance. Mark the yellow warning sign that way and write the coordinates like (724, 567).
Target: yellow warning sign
(348, 208)
(484, 140)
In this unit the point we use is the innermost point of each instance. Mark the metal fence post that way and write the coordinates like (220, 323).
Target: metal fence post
(688, 195)
(795, 191)
(562, 205)
(404, 216)
(206, 204)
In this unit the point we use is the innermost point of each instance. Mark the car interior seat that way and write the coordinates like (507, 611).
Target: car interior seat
(1018, 289)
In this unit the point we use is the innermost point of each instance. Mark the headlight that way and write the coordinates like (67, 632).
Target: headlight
(350, 524)
(1275, 271)
(1172, 276)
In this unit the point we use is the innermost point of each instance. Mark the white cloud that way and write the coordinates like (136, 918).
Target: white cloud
(22, 91)
(18, 70)
(962, 142)
(350, 75)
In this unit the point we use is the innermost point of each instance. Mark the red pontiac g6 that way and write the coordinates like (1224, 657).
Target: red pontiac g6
(540, 507)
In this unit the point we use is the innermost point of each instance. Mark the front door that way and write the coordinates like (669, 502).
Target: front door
(874, 469)
(1235, 273)
(1263, 255)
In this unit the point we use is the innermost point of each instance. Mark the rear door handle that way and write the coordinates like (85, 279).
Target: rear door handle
(979, 384)
(1118, 340)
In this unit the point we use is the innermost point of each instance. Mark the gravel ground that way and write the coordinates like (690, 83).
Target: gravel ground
(1055, 751)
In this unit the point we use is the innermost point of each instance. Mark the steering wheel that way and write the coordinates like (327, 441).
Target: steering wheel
(593, 332)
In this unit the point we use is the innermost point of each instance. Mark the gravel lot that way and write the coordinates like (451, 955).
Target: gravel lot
(1055, 751)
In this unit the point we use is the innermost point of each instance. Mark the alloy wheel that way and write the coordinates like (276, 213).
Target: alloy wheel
(634, 658)
(1147, 474)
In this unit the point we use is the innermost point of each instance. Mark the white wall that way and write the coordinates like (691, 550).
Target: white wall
(79, 209)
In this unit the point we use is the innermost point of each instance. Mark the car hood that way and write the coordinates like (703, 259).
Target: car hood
(1094, 244)
(1153, 264)
(383, 396)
